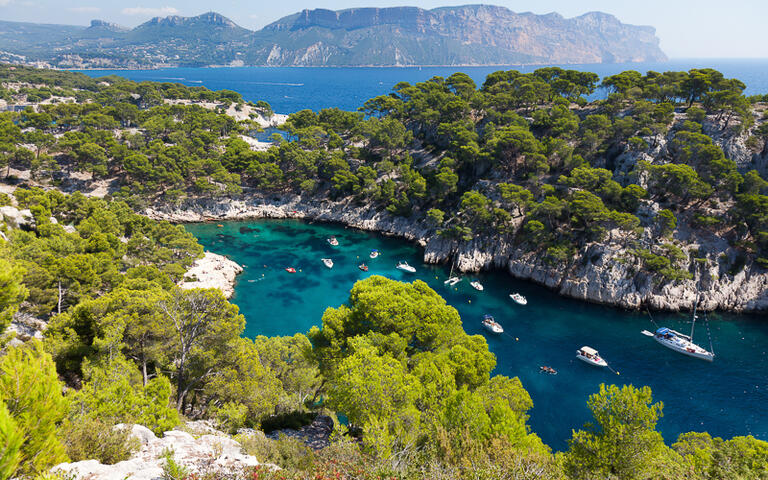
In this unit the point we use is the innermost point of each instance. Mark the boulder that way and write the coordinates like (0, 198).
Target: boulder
(212, 455)
(16, 218)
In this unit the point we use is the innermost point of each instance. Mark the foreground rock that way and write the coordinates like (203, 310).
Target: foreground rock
(212, 271)
(213, 455)
(602, 273)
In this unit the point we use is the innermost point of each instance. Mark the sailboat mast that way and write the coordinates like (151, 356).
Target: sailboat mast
(693, 322)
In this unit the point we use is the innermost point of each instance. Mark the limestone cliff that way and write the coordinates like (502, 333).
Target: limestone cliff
(466, 35)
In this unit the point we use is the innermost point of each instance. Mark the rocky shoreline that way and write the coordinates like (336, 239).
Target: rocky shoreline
(212, 271)
(600, 272)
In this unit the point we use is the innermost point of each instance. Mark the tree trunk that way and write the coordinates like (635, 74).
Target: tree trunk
(58, 304)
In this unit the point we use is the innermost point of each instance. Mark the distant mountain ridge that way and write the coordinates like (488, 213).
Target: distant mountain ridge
(397, 36)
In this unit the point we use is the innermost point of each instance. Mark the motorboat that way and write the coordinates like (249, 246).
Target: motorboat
(452, 281)
(405, 267)
(519, 299)
(328, 262)
(333, 242)
(546, 369)
(681, 343)
(477, 285)
(591, 356)
(290, 270)
(492, 325)
(374, 253)
(363, 267)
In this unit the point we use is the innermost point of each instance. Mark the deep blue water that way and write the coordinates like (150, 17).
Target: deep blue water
(726, 398)
(290, 89)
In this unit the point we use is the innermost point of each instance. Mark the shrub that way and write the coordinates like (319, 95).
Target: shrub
(90, 438)
(31, 391)
(286, 452)
(171, 469)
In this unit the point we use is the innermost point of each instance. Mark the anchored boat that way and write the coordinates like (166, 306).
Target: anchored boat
(290, 270)
(492, 325)
(477, 285)
(328, 262)
(680, 342)
(405, 267)
(591, 356)
(519, 299)
(333, 242)
(452, 280)
(363, 267)
(374, 253)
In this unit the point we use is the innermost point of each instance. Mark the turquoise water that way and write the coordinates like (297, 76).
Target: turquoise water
(726, 398)
(290, 89)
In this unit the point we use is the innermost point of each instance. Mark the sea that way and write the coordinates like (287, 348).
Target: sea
(290, 89)
(727, 397)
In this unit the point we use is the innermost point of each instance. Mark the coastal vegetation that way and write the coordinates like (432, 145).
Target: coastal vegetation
(524, 159)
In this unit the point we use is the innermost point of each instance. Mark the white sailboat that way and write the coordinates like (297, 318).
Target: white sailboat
(452, 280)
(680, 342)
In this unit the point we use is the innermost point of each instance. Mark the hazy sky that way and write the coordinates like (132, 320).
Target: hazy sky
(687, 28)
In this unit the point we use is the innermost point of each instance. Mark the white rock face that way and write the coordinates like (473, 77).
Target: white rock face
(26, 327)
(212, 271)
(209, 454)
(16, 218)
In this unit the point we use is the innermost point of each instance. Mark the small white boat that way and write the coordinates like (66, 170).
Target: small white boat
(519, 299)
(374, 254)
(492, 325)
(477, 285)
(679, 342)
(333, 242)
(591, 356)
(452, 281)
(328, 262)
(405, 267)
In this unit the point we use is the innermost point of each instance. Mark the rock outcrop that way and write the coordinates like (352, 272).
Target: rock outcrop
(16, 218)
(212, 271)
(216, 455)
(25, 327)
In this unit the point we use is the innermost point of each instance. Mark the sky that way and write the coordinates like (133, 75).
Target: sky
(687, 28)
